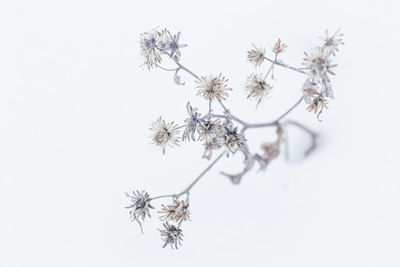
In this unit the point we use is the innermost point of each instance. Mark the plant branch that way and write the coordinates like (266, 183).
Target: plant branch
(187, 189)
(313, 135)
(282, 64)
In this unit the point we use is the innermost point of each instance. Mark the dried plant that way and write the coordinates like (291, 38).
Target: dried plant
(225, 132)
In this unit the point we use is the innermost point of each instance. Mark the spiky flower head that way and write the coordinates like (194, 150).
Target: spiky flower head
(175, 212)
(256, 55)
(151, 44)
(318, 64)
(171, 235)
(192, 123)
(164, 134)
(257, 88)
(318, 103)
(331, 43)
(213, 87)
(231, 139)
(140, 206)
(171, 44)
(209, 130)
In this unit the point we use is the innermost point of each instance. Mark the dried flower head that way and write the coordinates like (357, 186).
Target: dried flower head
(257, 88)
(318, 63)
(171, 235)
(209, 130)
(164, 133)
(151, 44)
(256, 55)
(140, 206)
(331, 43)
(318, 103)
(175, 212)
(192, 123)
(231, 139)
(279, 47)
(213, 87)
(171, 44)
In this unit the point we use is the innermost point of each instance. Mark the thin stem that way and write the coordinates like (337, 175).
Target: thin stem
(223, 116)
(271, 68)
(163, 196)
(293, 107)
(313, 135)
(180, 127)
(273, 123)
(223, 106)
(187, 189)
(166, 69)
(282, 64)
(187, 70)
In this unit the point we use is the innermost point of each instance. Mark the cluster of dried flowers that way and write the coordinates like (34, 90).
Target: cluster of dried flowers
(226, 132)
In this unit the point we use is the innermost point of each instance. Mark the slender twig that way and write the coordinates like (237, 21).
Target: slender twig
(187, 189)
(163, 196)
(293, 107)
(313, 135)
(282, 64)
(167, 69)
(187, 70)
(273, 123)
(271, 68)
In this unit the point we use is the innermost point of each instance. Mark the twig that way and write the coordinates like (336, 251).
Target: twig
(282, 64)
(187, 189)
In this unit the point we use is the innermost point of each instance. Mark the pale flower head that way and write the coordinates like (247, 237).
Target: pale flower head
(175, 212)
(257, 88)
(256, 55)
(318, 64)
(331, 43)
(213, 88)
(140, 206)
(209, 130)
(151, 44)
(164, 134)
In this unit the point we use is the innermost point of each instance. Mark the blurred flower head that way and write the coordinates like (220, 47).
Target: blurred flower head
(331, 43)
(318, 64)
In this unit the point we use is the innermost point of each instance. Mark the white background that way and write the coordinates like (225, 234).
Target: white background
(74, 114)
